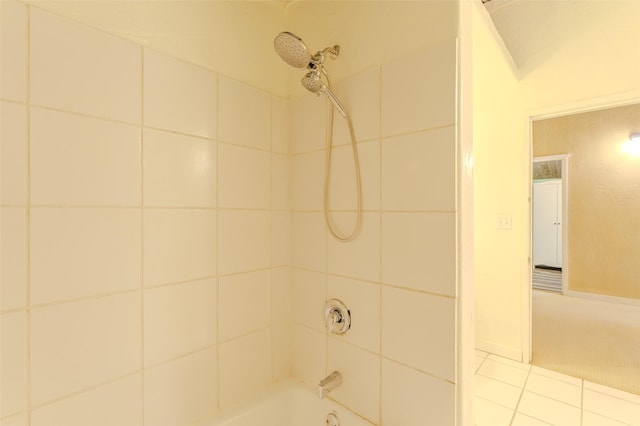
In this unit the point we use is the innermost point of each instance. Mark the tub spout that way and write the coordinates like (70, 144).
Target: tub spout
(329, 383)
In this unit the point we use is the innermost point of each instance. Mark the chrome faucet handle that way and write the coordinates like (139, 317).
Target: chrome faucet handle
(329, 383)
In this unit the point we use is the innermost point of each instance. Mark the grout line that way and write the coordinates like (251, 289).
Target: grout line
(380, 258)
(524, 385)
(142, 211)
(271, 285)
(582, 403)
(29, 375)
(217, 219)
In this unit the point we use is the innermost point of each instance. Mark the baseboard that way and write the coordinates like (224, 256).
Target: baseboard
(603, 298)
(499, 350)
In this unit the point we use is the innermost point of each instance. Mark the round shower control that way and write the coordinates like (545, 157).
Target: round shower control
(337, 318)
(332, 419)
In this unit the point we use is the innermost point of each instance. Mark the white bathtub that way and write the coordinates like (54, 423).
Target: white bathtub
(287, 404)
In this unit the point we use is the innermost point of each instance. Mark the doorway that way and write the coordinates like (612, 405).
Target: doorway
(549, 223)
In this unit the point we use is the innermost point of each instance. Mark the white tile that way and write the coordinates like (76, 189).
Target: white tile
(360, 95)
(343, 190)
(548, 410)
(307, 126)
(280, 238)
(281, 350)
(245, 177)
(78, 160)
(245, 304)
(117, 403)
(13, 140)
(83, 252)
(179, 245)
(179, 319)
(279, 182)
(14, 51)
(309, 355)
(308, 241)
(244, 114)
(427, 322)
(244, 241)
(409, 397)
(555, 375)
(80, 69)
(360, 257)
(505, 373)
(555, 389)
(610, 406)
(509, 362)
(279, 125)
(81, 344)
(360, 389)
(307, 180)
(521, 420)
(418, 251)
(418, 90)
(179, 170)
(308, 291)
(14, 363)
(363, 301)
(419, 171)
(281, 295)
(631, 397)
(17, 420)
(478, 361)
(182, 391)
(245, 367)
(488, 413)
(592, 419)
(13, 257)
(497, 392)
(179, 96)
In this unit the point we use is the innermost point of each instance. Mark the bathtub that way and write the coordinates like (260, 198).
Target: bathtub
(286, 404)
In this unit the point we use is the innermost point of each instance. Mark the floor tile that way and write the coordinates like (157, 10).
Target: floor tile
(549, 410)
(504, 372)
(612, 407)
(555, 389)
(523, 420)
(593, 419)
(491, 414)
(555, 375)
(498, 392)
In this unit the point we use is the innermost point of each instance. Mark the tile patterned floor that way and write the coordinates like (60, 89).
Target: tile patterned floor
(509, 393)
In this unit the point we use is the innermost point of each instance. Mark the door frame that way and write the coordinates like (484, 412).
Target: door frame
(564, 186)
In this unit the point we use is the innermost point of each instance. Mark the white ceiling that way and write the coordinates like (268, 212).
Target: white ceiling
(534, 30)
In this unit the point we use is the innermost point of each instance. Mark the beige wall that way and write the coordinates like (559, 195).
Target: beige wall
(604, 195)
(498, 125)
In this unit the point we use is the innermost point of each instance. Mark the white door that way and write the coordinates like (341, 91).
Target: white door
(547, 226)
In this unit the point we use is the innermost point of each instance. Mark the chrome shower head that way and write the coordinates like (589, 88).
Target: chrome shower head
(292, 50)
(313, 83)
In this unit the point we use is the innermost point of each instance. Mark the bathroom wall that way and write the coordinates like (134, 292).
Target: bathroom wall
(144, 231)
(603, 189)
(500, 256)
(398, 277)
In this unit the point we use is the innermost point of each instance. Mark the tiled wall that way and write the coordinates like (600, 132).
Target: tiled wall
(145, 212)
(399, 276)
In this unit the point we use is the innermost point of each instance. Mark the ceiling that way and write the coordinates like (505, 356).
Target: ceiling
(534, 30)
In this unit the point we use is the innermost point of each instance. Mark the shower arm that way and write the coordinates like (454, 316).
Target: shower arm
(318, 58)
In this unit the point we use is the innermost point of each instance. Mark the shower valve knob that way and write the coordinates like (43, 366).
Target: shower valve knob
(337, 317)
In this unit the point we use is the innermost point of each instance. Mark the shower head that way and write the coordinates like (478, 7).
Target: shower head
(313, 83)
(292, 50)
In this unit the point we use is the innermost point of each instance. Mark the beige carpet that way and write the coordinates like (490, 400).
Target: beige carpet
(593, 340)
